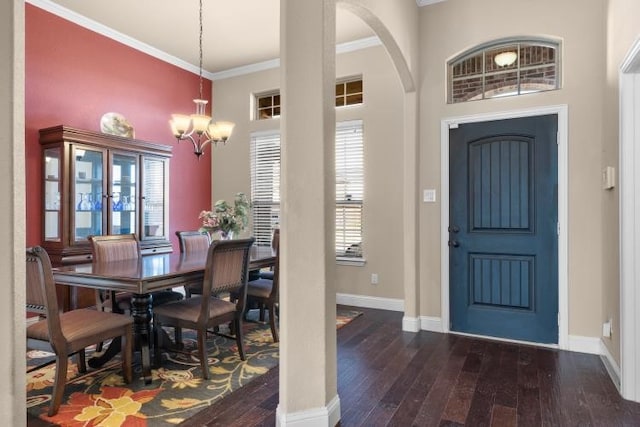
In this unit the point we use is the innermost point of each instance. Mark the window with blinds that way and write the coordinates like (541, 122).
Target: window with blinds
(349, 188)
(265, 187)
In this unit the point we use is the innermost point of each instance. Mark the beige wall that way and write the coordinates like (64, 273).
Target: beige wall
(454, 26)
(623, 28)
(382, 118)
(12, 214)
(396, 24)
(592, 250)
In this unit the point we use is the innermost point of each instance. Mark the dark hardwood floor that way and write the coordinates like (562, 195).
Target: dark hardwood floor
(387, 377)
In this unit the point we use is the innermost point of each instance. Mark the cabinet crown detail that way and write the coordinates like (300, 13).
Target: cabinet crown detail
(62, 132)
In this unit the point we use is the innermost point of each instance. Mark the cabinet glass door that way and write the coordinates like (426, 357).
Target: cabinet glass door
(154, 194)
(88, 178)
(124, 194)
(52, 217)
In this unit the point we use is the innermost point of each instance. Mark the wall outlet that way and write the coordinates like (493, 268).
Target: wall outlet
(374, 278)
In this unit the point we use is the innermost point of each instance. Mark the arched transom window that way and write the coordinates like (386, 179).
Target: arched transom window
(504, 68)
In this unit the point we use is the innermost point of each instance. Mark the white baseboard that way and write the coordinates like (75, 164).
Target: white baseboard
(410, 324)
(610, 365)
(433, 324)
(424, 323)
(582, 344)
(327, 416)
(391, 304)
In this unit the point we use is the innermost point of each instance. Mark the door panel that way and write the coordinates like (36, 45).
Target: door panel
(503, 229)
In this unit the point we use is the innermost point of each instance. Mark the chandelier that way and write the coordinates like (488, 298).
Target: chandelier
(199, 128)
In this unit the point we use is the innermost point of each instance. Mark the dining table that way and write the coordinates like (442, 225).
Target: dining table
(141, 277)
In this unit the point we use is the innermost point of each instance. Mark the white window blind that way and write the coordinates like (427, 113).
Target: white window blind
(265, 187)
(349, 188)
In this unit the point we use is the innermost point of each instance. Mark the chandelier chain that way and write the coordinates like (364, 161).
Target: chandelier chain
(200, 51)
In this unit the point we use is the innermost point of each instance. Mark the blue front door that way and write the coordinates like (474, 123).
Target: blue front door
(503, 239)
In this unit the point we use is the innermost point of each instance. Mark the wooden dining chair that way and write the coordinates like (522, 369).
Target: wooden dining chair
(120, 247)
(263, 292)
(190, 242)
(70, 332)
(226, 270)
(114, 248)
(275, 239)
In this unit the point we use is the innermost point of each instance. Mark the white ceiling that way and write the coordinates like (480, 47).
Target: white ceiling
(236, 33)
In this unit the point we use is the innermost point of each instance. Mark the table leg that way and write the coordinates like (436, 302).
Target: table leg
(111, 351)
(141, 312)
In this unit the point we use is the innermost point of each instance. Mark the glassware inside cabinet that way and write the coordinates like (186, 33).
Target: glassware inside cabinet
(124, 190)
(88, 189)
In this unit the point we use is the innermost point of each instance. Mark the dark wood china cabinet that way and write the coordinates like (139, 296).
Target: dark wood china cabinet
(97, 183)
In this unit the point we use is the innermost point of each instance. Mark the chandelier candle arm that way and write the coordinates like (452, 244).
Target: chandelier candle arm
(199, 127)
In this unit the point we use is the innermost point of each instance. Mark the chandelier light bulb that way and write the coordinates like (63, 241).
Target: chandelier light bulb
(505, 58)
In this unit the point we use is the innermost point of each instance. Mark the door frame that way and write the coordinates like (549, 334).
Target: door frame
(561, 111)
(629, 93)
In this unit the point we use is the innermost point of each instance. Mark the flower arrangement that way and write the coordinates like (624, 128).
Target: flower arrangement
(225, 218)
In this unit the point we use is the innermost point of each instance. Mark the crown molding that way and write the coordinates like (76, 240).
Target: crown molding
(275, 63)
(246, 69)
(101, 29)
(358, 44)
(428, 2)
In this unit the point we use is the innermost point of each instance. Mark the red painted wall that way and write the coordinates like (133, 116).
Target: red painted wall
(74, 76)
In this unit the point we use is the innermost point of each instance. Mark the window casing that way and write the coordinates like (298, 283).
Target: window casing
(265, 187)
(478, 73)
(267, 105)
(349, 92)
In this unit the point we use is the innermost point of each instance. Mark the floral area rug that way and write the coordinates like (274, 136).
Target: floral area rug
(100, 396)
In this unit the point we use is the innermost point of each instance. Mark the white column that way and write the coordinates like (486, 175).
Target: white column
(12, 213)
(411, 321)
(308, 382)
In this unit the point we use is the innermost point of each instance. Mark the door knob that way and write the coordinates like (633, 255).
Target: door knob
(453, 243)
(453, 229)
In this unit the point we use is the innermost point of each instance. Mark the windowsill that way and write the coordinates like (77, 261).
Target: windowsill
(354, 262)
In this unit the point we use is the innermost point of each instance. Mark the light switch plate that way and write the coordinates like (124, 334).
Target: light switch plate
(429, 195)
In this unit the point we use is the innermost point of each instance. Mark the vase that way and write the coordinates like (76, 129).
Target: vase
(226, 235)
